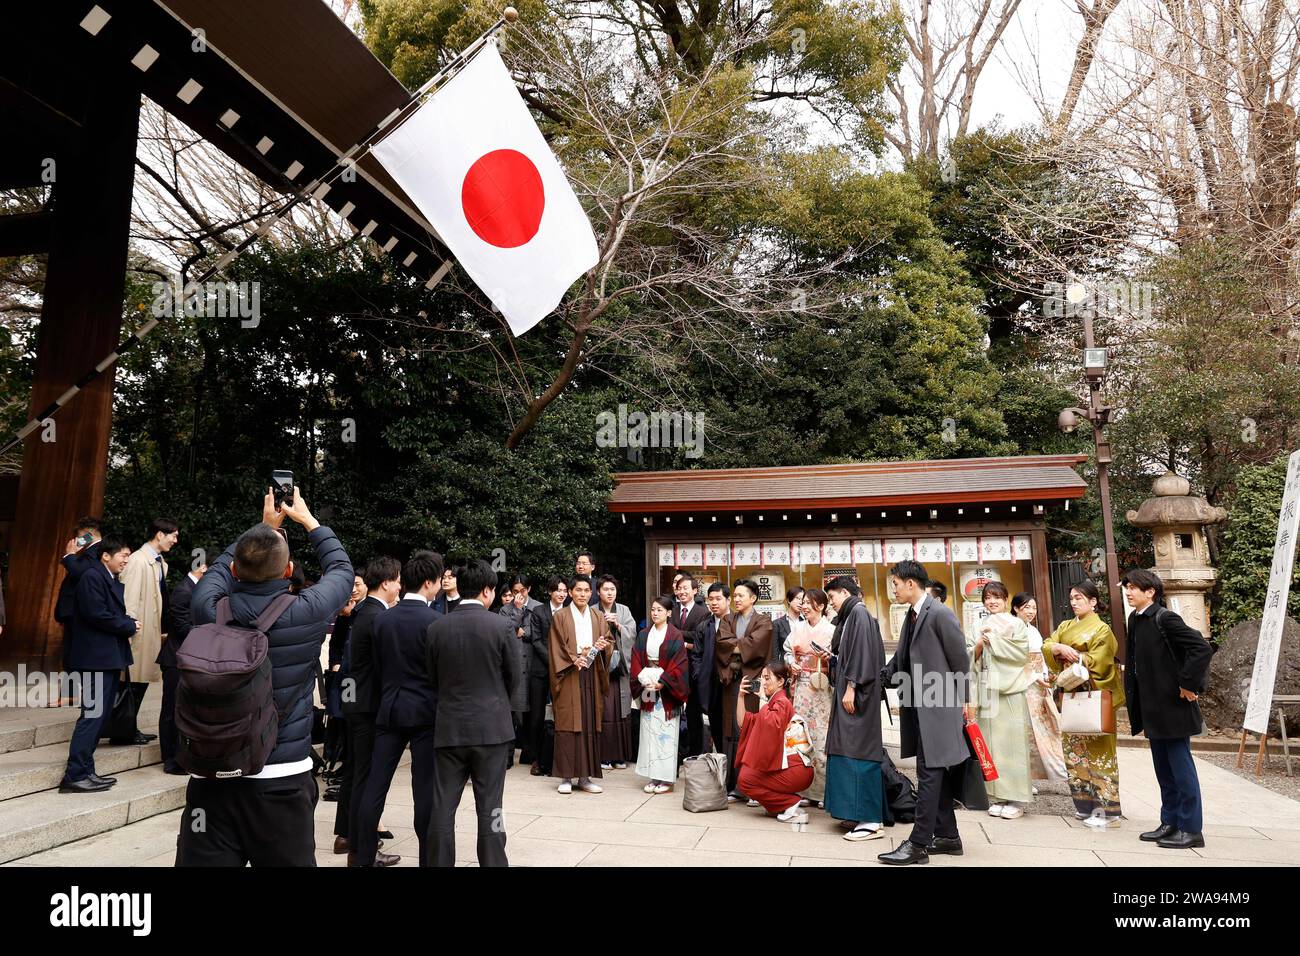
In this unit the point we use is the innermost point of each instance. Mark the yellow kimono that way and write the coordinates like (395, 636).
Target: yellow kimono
(1090, 760)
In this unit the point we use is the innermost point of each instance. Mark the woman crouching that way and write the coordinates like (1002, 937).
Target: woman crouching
(774, 755)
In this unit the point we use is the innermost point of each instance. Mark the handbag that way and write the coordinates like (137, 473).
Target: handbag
(120, 726)
(704, 780)
(819, 681)
(1087, 713)
(981, 750)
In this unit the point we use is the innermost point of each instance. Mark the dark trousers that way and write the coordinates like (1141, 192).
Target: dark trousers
(361, 732)
(534, 728)
(722, 707)
(694, 723)
(171, 679)
(485, 767)
(390, 742)
(98, 690)
(238, 822)
(1180, 789)
(935, 814)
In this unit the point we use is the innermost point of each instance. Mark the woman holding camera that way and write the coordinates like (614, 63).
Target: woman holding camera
(774, 759)
(659, 675)
(1090, 759)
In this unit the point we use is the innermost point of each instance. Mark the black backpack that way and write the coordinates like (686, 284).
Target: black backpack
(226, 718)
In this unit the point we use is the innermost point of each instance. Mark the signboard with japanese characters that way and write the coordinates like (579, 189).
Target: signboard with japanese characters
(1260, 698)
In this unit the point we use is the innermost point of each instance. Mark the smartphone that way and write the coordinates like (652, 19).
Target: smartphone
(282, 484)
(817, 647)
(85, 541)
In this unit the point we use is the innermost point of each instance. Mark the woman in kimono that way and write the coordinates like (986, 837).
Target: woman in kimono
(1046, 760)
(1090, 759)
(812, 686)
(660, 674)
(773, 757)
(999, 658)
(616, 732)
(580, 655)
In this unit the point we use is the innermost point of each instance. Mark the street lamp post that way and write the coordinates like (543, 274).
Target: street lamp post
(1097, 414)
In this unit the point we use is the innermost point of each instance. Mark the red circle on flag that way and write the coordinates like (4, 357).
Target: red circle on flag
(503, 198)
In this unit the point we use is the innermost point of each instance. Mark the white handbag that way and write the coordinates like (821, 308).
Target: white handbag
(1088, 713)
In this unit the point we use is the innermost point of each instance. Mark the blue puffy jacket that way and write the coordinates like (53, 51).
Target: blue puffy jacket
(295, 639)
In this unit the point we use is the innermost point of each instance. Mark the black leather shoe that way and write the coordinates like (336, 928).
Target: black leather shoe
(140, 739)
(1159, 833)
(906, 854)
(84, 785)
(949, 846)
(340, 845)
(381, 859)
(176, 770)
(385, 834)
(535, 771)
(1180, 840)
(96, 778)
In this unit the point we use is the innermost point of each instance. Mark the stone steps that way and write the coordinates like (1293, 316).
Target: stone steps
(34, 816)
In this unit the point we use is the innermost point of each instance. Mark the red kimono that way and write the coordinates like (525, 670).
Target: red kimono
(760, 753)
(676, 665)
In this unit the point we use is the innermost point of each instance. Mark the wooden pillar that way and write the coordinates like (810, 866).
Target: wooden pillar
(64, 470)
(1042, 588)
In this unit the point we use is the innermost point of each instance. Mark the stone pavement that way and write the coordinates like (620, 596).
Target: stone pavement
(1246, 825)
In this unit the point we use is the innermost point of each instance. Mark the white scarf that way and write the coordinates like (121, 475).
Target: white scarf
(582, 626)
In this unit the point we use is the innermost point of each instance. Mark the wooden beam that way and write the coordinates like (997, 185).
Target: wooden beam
(26, 233)
(65, 467)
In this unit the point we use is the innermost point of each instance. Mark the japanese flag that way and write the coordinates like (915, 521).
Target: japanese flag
(474, 162)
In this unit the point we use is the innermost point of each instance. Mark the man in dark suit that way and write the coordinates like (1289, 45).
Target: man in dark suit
(360, 697)
(76, 559)
(408, 704)
(1164, 676)
(474, 663)
(539, 677)
(98, 647)
(181, 621)
(704, 685)
(929, 668)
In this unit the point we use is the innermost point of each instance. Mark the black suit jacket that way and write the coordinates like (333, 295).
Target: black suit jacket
(474, 665)
(401, 646)
(360, 660)
(180, 625)
(76, 565)
(698, 614)
(539, 636)
(99, 637)
(1164, 653)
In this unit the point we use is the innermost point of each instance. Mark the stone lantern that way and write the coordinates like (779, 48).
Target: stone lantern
(1177, 520)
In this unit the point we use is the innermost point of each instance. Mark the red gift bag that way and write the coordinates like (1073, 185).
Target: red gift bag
(976, 737)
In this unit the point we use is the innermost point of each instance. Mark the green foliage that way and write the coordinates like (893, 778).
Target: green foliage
(1248, 547)
(206, 410)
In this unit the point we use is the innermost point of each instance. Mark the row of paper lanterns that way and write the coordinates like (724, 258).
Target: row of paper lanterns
(795, 554)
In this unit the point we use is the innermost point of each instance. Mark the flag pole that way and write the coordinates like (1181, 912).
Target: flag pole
(341, 164)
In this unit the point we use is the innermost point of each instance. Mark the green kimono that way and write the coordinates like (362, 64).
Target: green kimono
(1001, 680)
(1090, 759)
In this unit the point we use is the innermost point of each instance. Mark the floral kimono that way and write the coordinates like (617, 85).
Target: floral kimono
(1090, 759)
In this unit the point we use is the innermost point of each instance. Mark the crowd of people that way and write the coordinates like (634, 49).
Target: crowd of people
(465, 670)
